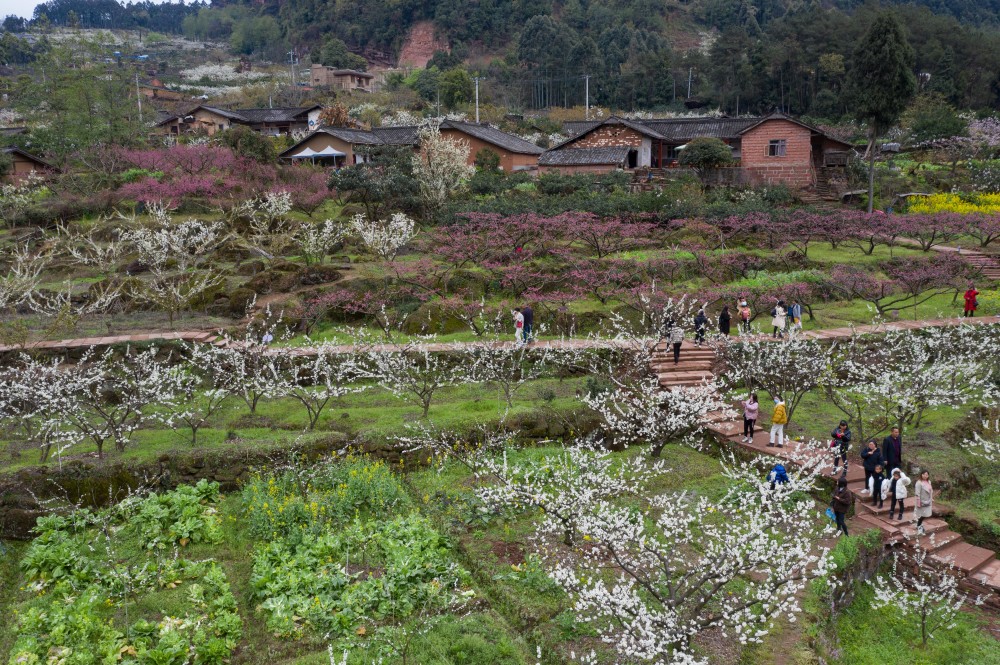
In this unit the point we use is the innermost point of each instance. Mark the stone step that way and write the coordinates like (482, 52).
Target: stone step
(988, 575)
(967, 558)
(932, 525)
(938, 541)
(872, 522)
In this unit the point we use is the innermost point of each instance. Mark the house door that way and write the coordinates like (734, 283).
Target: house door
(633, 158)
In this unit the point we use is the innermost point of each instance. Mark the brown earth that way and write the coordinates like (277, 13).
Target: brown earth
(420, 45)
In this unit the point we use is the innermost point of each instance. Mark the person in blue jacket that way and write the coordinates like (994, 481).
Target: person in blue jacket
(778, 475)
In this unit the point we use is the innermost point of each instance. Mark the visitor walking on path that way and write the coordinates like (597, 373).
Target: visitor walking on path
(841, 503)
(840, 443)
(795, 316)
(745, 315)
(778, 421)
(700, 326)
(892, 450)
(871, 457)
(518, 326)
(724, 320)
(529, 323)
(751, 409)
(924, 493)
(676, 339)
(971, 301)
(897, 491)
(878, 486)
(778, 318)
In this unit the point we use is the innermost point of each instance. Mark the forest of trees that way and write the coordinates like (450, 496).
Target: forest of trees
(753, 55)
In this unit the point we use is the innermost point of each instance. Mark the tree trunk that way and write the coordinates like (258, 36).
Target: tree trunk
(871, 173)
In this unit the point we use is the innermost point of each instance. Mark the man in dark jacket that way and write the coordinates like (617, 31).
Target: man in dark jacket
(871, 457)
(529, 323)
(892, 450)
(700, 325)
(840, 443)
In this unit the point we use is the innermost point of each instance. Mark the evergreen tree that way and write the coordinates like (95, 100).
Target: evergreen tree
(882, 82)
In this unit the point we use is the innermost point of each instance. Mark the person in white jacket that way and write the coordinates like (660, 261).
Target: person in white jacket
(894, 488)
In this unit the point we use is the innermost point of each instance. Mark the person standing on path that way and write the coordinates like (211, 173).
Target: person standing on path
(529, 323)
(676, 339)
(924, 492)
(897, 491)
(971, 300)
(700, 326)
(778, 319)
(871, 457)
(892, 450)
(745, 315)
(518, 326)
(877, 485)
(751, 409)
(840, 443)
(841, 503)
(724, 319)
(778, 421)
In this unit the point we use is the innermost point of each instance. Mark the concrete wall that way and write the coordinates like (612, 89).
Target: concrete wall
(509, 161)
(794, 169)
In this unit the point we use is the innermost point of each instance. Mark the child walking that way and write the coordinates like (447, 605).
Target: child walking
(924, 492)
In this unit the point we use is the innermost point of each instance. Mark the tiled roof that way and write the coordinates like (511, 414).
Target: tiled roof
(350, 72)
(354, 136)
(494, 136)
(685, 129)
(13, 150)
(281, 114)
(407, 135)
(584, 157)
(577, 127)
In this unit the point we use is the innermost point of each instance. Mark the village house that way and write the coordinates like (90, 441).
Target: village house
(23, 164)
(766, 150)
(269, 121)
(154, 89)
(344, 146)
(321, 76)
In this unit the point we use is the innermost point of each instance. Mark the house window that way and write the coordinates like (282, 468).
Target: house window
(776, 147)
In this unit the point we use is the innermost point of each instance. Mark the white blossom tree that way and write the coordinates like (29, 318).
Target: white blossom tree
(315, 241)
(640, 412)
(921, 590)
(649, 582)
(471, 450)
(22, 275)
(413, 372)
(16, 197)
(510, 367)
(384, 238)
(36, 400)
(320, 377)
(440, 166)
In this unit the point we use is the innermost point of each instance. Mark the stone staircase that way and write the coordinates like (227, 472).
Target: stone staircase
(694, 367)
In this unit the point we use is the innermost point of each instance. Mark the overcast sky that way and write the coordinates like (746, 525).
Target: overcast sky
(26, 8)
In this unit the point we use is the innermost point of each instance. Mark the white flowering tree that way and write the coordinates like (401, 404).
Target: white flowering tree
(320, 377)
(22, 273)
(510, 367)
(791, 368)
(36, 399)
(883, 380)
(411, 371)
(920, 590)
(175, 255)
(384, 238)
(640, 412)
(649, 582)
(564, 486)
(87, 251)
(315, 241)
(15, 198)
(440, 166)
(443, 445)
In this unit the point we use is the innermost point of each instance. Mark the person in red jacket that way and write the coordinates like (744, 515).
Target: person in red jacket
(971, 303)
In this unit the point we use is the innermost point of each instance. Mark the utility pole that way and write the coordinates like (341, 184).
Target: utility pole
(586, 96)
(689, 83)
(138, 96)
(291, 65)
(476, 79)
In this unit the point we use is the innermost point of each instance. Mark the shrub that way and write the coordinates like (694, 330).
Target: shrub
(706, 153)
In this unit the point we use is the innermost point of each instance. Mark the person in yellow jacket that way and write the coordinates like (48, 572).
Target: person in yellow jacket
(778, 421)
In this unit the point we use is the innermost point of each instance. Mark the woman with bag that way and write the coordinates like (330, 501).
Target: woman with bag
(841, 503)
(971, 301)
(924, 492)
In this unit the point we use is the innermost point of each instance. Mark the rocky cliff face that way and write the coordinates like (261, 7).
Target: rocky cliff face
(420, 45)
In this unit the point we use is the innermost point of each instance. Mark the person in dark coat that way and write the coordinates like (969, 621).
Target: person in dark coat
(840, 443)
(700, 326)
(871, 457)
(529, 323)
(875, 485)
(841, 503)
(724, 319)
(892, 450)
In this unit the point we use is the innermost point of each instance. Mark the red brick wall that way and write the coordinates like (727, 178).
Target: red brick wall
(508, 160)
(610, 136)
(794, 169)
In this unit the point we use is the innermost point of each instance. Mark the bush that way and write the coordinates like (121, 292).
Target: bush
(706, 153)
(245, 142)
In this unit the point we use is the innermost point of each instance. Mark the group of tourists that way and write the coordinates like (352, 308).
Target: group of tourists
(784, 318)
(884, 476)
